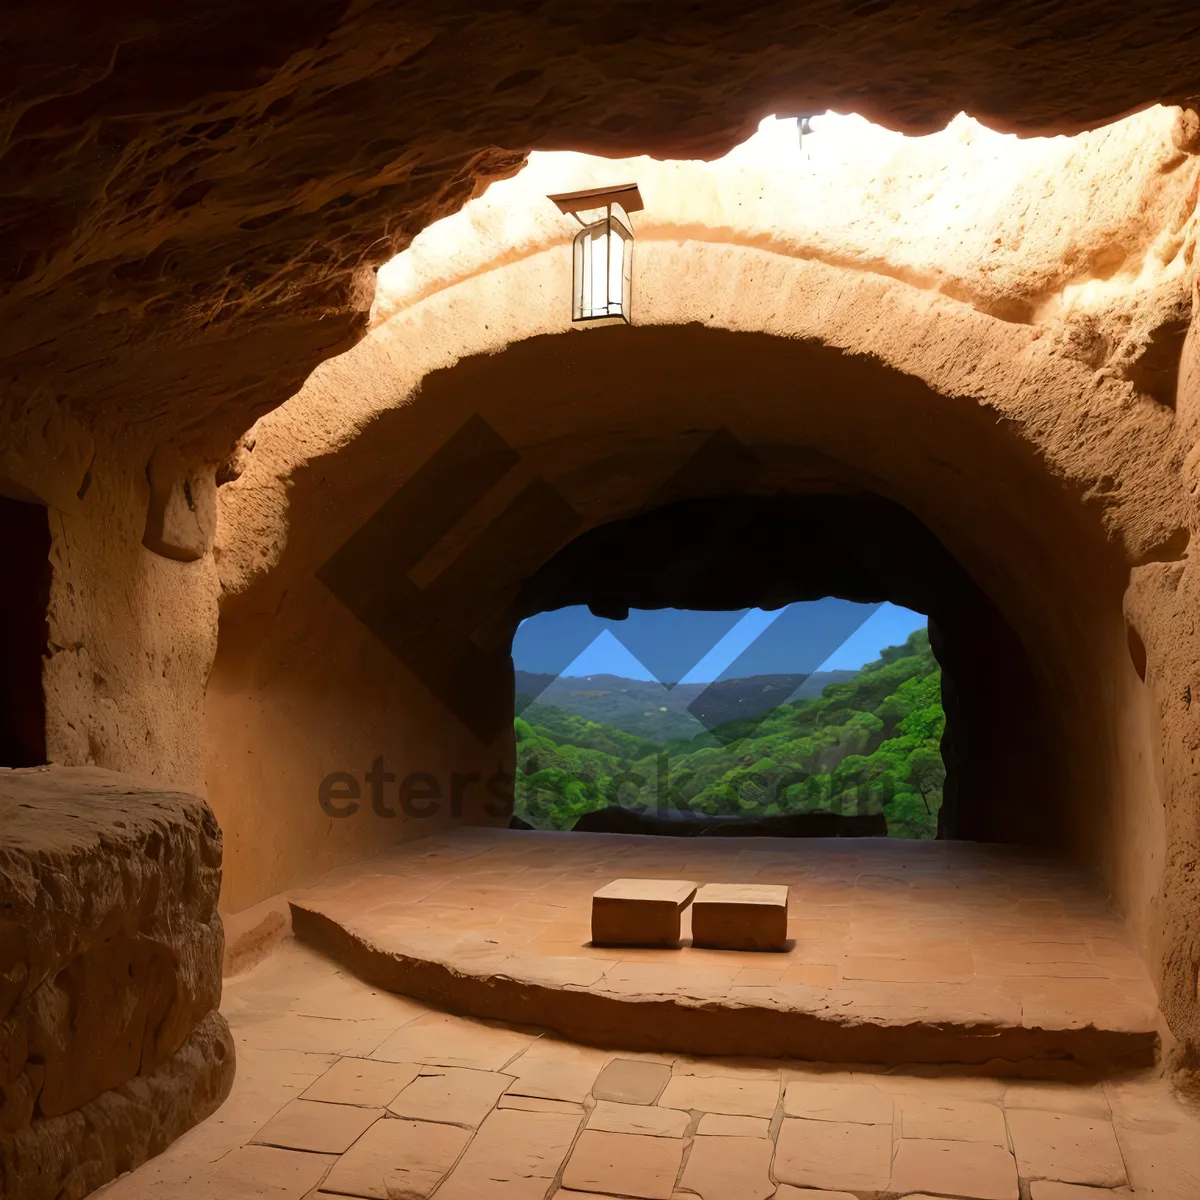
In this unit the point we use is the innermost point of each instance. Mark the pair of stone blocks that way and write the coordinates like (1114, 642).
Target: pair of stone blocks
(725, 916)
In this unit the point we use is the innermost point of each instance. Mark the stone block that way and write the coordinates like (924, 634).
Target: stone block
(108, 897)
(721, 1125)
(397, 1158)
(1046, 1189)
(954, 1168)
(539, 1104)
(555, 1070)
(740, 916)
(631, 1081)
(624, 1164)
(451, 1095)
(110, 972)
(952, 1120)
(515, 1154)
(317, 1127)
(640, 912)
(650, 1119)
(859, 1103)
(439, 1040)
(785, 1191)
(181, 516)
(1066, 1148)
(834, 1156)
(240, 1175)
(729, 1168)
(735, 1096)
(362, 1081)
(63, 1158)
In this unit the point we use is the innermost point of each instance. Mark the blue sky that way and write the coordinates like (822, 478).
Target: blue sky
(822, 635)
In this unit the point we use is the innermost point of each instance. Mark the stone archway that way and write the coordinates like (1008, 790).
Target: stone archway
(195, 205)
(852, 368)
(737, 551)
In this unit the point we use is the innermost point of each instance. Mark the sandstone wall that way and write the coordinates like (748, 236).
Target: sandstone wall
(194, 197)
(305, 694)
(1037, 439)
(132, 634)
(194, 202)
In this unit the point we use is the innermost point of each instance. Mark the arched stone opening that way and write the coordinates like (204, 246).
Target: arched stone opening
(177, 297)
(603, 421)
(1002, 428)
(733, 552)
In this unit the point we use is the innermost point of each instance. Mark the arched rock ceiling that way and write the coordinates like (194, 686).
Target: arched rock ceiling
(189, 194)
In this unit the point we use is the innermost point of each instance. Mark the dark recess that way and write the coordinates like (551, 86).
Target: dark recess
(24, 632)
(730, 552)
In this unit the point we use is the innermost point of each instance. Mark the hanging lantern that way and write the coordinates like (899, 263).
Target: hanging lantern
(602, 277)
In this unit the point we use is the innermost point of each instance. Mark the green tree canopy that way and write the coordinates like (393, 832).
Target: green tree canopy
(866, 745)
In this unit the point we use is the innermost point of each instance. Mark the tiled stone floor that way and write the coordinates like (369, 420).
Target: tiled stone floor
(920, 934)
(343, 1090)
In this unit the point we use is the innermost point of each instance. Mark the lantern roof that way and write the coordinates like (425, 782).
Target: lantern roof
(624, 194)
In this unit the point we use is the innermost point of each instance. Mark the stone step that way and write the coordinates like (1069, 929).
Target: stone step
(1007, 962)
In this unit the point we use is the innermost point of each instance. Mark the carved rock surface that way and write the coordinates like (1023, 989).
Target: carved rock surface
(65, 1158)
(110, 964)
(182, 514)
(191, 194)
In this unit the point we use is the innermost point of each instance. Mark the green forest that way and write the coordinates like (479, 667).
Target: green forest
(865, 745)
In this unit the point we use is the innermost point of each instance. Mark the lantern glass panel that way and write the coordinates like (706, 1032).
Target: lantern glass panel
(603, 269)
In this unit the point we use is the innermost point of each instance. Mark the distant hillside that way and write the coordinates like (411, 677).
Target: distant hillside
(649, 710)
(866, 745)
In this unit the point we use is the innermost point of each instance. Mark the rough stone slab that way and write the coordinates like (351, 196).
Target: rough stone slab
(539, 1104)
(954, 1168)
(240, 1175)
(1057, 1097)
(837, 1156)
(740, 916)
(397, 1158)
(1046, 1189)
(1066, 1148)
(729, 1168)
(720, 1125)
(555, 1070)
(71, 1155)
(317, 1127)
(787, 1192)
(631, 1081)
(514, 1154)
(439, 1040)
(624, 1164)
(610, 1117)
(957, 1120)
(732, 1096)
(362, 1081)
(640, 912)
(859, 1103)
(452, 1095)
(110, 943)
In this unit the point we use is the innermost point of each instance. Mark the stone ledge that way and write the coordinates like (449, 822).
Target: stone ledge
(432, 920)
(110, 943)
(687, 1025)
(66, 1157)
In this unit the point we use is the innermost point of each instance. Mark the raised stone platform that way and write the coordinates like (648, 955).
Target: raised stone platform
(899, 952)
(110, 976)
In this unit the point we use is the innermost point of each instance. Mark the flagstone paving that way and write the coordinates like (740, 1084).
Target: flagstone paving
(309, 1121)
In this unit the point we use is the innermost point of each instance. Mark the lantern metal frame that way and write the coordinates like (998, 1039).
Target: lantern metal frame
(615, 228)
